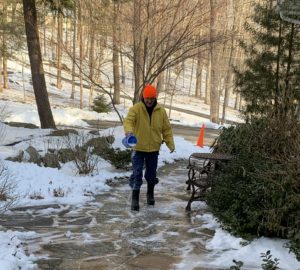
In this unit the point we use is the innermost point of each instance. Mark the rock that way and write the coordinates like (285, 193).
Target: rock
(65, 155)
(20, 124)
(51, 160)
(34, 155)
(63, 132)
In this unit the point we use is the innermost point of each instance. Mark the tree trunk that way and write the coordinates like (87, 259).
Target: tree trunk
(44, 29)
(74, 51)
(192, 76)
(66, 42)
(160, 82)
(237, 102)
(4, 48)
(227, 85)
(36, 64)
(208, 82)
(1, 77)
(52, 42)
(227, 82)
(198, 75)
(5, 74)
(214, 92)
(288, 98)
(59, 49)
(122, 59)
(80, 53)
(91, 58)
(137, 50)
(276, 102)
(116, 66)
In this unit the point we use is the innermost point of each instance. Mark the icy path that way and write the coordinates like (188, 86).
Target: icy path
(105, 234)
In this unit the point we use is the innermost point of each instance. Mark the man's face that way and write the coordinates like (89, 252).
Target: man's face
(149, 101)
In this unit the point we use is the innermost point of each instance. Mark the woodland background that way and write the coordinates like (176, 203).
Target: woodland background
(106, 43)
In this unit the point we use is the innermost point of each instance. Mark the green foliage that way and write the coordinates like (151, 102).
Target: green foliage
(237, 265)
(269, 81)
(101, 105)
(60, 5)
(294, 246)
(258, 192)
(102, 146)
(268, 262)
(11, 28)
(119, 158)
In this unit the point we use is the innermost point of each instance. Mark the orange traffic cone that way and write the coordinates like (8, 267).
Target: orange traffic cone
(201, 136)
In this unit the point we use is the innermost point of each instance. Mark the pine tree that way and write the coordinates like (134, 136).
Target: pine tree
(269, 82)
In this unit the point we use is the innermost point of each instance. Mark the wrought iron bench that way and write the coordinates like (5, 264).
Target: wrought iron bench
(199, 169)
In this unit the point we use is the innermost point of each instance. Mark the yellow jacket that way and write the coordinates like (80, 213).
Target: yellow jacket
(149, 135)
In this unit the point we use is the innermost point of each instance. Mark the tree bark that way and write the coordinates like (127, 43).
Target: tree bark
(198, 75)
(74, 51)
(4, 48)
(214, 92)
(160, 82)
(208, 81)
(59, 49)
(1, 70)
(116, 65)
(287, 98)
(44, 30)
(91, 56)
(137, 50)
(5, 74)
(36, 64)
(80, 52)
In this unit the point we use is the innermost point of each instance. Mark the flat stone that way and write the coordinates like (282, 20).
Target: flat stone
(25, 221)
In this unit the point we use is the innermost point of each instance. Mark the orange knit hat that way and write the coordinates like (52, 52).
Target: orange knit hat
(149, 91)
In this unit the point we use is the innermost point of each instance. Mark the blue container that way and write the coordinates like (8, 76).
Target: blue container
(129, 141)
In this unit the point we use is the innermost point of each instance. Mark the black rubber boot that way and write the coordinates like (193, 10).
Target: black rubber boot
(135, 200)
(150, 195)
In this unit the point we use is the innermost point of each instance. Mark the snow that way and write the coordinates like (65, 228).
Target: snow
(31, 180)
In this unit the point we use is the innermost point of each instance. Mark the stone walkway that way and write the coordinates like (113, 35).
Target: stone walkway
(105, 234)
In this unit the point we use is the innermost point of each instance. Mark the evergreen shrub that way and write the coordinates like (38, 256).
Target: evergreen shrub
(257, 193)
(121, 159)
(102, 146)
(100, 104)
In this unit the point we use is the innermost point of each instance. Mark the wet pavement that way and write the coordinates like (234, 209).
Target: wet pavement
(105, 234)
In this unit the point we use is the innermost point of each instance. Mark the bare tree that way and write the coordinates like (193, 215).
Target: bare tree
(11, 35)
(59, 49)
(5, 75)
(80, 51)
(74, 50)
(116, 65)
(179, 22)
(230, 46)
(214, 93)
(1, 77)
(137, 49)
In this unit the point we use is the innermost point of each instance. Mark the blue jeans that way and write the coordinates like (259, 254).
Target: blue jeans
(138, 159)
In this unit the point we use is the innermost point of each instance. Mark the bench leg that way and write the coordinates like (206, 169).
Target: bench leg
(191, 176)
(188, 207)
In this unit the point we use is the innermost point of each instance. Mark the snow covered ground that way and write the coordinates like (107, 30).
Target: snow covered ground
(30, 179)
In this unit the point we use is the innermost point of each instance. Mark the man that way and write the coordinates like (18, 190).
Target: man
(148, 121)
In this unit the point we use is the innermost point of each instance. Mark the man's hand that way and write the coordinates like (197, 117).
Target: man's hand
(128, 134)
